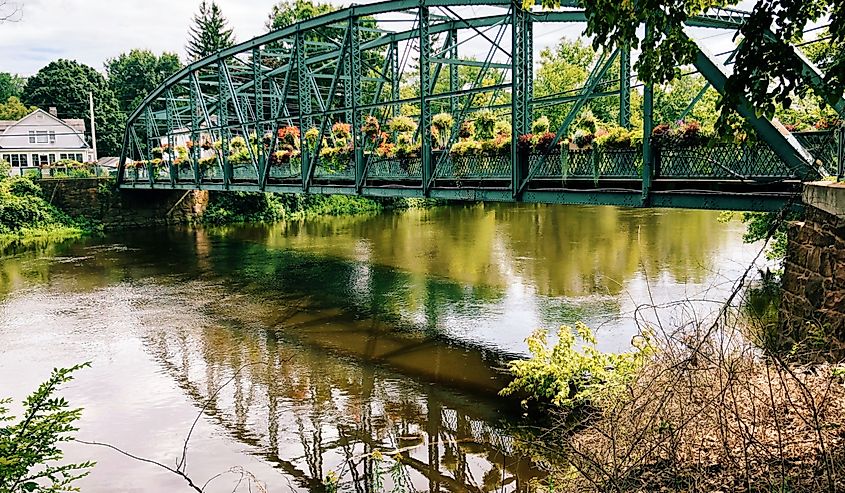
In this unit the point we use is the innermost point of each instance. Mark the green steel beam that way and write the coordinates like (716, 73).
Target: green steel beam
(425, 84)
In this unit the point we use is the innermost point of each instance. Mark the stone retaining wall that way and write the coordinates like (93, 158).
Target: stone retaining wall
(814, 270)
(97, 199)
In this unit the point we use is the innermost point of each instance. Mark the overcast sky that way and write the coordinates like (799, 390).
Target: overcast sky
(92, 31)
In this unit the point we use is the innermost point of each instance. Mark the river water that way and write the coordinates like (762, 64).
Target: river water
(307, 348)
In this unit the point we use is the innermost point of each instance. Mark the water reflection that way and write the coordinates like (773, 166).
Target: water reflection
(354, 334)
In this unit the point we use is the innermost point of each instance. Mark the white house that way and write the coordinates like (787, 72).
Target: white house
(42, 139)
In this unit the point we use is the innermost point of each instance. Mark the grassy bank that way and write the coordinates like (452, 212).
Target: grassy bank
(239, 207)
(25, 214)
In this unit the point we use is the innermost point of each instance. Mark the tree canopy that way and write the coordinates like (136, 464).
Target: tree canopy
(13, 109)
(209, 33)
(65, 84)
(288, 12)
(10, 85)
(135, 74)
(765, 55)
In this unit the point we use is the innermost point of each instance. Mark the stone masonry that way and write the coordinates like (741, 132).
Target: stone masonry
(97, 199)
(814, 270)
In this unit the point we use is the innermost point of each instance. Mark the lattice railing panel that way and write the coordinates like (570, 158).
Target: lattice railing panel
(475, 167)
(589, 163)
(395, 169)
(822, 145)
(720, 161)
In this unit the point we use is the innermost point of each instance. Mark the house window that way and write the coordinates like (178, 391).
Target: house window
(40, 160)
(16, 160)
(41, 137)
(51, 158)
(32, 136)
(52, 137)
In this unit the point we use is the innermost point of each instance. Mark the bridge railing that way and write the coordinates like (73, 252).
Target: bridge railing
(704, 161)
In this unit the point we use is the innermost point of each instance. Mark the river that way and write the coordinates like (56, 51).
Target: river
(306, 346)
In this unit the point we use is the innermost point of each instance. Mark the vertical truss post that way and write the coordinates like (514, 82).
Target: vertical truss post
(195, 136)
(648, 150)
(258, 88)
(170, 113)
(223, 122)
(151, 140)
(520, 59)
(355, 81)
(453, 71)
(304, 97)
(528, 37)
(394, 77)
(625, 85)
(425, 87)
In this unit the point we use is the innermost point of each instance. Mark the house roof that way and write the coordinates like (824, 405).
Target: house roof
(77, 124)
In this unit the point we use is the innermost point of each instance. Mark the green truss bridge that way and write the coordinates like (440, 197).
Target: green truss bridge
(370, 100)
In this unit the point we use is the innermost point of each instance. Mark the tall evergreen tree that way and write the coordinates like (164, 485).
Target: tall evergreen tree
(209, 33)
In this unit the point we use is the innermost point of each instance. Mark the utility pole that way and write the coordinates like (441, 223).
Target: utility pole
(93, 129)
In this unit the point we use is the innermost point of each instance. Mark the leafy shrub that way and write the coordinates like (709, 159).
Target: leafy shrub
(503, 128)
(237, 143)
(441, 124)
(543, 142)
(525, 143)
(401, 124)
(616, 138)
(541, 125)
(290, 136)
(409, 150)
(371, 128)
(466, 148)
(467, 130)
(567, 376)
(311, 136)
(29, 448)
(583, 139)
(587, 121)
(485, 123)
(5, 169)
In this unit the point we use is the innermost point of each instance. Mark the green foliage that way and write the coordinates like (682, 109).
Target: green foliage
(567, 376)
(209, 33)
(402, 124)
(503, 128)
(11, 85)
(134, 75)
(22, 209)
(441, 124)
(29, 447)
(759, 224)
(5, 169)
(619, 138)
(65, 84)
(13, 109)
(671, 99)
(485, 124)
(540, 125)
(285, 13)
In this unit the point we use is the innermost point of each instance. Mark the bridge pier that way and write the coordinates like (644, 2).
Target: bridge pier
(814, 270)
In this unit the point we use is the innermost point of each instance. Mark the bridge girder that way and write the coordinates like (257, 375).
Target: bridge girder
(333, 68)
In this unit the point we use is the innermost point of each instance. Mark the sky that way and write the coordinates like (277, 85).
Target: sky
(93, 31)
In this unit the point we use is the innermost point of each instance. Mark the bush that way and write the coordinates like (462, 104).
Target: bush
(371, 128)
(467, 130)
(503, 128)
(587, 121)
(583, 139)
(541, 125)
(29, 448)
(485, 123)
(401, 123)
(442, 129)
(568, 377)
(616, 138)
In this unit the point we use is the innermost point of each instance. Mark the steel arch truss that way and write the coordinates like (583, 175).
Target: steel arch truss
(272, 114)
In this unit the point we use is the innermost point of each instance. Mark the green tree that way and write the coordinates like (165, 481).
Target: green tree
(13, 109)
(671, 99)
(10, 85)
(134, 75)
(209, 33)
(66, 84)
(656, 29)
(288, 12)
(29, 448)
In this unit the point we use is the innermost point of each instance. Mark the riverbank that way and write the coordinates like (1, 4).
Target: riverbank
(26, 216)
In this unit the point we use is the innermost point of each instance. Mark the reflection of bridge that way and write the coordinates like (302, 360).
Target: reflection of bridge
(347, 65)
